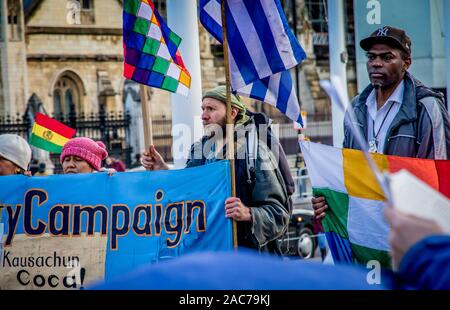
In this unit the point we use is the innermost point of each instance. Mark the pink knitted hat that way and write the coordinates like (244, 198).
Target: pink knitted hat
(91, 151)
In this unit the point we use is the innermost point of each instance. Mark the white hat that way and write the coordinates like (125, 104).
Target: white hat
(15, 149)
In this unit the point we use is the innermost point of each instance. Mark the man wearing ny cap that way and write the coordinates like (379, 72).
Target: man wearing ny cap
(396, 113)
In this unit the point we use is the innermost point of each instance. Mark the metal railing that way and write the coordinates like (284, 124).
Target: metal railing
(303, 187)
(20, 125)
(111, 128)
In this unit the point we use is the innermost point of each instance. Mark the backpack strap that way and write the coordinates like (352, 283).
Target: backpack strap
(252, 153)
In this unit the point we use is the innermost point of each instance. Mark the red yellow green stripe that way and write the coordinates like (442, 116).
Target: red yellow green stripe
(54, 125)
(49, 134)
(45, 145)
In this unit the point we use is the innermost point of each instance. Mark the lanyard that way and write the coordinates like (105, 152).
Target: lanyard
(375, 136)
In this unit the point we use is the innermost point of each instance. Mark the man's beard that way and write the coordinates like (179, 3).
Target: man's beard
(215, 130)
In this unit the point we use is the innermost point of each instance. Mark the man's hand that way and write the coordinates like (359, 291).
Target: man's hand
(319, 206)
(152, 160)
(235, 209)
(406, 230)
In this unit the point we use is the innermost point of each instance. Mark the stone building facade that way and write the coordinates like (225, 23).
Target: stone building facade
(70, 60)
(66, 63)
(67, 55)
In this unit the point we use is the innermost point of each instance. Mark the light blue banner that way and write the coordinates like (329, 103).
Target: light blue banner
(146, 216)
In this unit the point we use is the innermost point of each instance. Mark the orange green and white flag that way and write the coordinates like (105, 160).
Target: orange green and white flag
(49, 134)
(355, 226)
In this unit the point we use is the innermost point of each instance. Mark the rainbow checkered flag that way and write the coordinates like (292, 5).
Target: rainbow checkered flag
(151, 49)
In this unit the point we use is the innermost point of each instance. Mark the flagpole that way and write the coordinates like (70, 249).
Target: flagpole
(146, 118)
(230, 123)
(338, 64)
(186, 110)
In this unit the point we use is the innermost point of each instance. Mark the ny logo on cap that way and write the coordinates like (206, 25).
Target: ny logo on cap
(382, 32)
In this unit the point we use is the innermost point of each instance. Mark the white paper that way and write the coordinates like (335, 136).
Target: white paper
(411, 195)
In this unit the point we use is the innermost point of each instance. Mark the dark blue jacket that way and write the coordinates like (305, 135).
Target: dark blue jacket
(420, 129)
(426, 265)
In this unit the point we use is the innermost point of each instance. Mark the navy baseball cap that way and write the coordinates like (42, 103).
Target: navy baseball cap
(388, 35)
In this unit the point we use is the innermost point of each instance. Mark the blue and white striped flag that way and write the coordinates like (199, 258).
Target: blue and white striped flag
(262, 49)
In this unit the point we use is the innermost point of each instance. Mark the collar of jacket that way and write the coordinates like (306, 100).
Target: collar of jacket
(407, 112)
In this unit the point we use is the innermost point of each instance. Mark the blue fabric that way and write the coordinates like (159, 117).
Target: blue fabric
(427, 264)
(241, 55)
(340, 248)
(264, 33)
(284, 92)
(321, 241)
(243, 270)
(146, 216)
(26, 5)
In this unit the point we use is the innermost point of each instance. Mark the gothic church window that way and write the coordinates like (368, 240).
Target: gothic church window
(66, 97)
(57, 109)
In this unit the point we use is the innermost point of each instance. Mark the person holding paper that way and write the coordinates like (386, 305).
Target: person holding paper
(420, 251)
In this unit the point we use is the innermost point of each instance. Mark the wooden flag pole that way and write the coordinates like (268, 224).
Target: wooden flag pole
(230, 122)
(146, 118)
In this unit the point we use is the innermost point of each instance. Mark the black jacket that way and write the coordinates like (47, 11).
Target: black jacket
(267, 195)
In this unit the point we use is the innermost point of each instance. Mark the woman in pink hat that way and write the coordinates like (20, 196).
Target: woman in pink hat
(82, 155)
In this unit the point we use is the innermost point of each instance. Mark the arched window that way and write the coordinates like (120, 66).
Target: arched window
(66, 96)
(57, 110)
(68, 101)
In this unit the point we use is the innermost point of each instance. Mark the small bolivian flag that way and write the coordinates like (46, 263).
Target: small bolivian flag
(49, 134)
